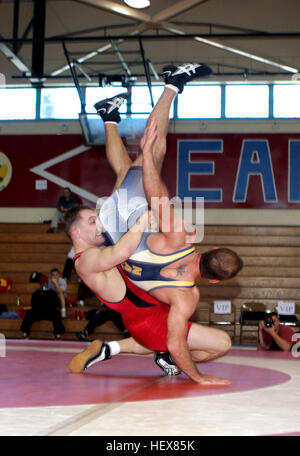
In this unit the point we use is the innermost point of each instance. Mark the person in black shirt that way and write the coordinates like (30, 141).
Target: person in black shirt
(45, 305)
(66, 202)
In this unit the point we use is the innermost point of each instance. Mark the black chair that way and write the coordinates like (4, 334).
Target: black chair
(251, 314)
(290, 320)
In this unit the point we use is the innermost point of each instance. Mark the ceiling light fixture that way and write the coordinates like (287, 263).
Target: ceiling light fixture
(138, 3)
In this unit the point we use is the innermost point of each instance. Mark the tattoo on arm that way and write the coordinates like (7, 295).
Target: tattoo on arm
(181, 269)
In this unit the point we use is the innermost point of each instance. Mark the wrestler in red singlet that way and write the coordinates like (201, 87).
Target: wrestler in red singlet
(143, 315)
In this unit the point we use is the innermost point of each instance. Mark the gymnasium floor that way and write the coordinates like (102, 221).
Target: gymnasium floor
(129, 395)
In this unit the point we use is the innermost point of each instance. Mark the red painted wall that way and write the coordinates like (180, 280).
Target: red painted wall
(89, 170)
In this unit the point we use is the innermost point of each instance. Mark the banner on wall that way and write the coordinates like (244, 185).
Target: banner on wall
(228, 170)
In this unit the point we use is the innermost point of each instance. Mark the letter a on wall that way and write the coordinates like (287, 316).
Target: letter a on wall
(255, 160)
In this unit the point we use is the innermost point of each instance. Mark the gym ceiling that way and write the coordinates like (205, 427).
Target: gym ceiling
(42, 42)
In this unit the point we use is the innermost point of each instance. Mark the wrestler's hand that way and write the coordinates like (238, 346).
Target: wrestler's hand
(146, 221)
(149, 137)
(270, 331)
(211, 380)
(152, 221)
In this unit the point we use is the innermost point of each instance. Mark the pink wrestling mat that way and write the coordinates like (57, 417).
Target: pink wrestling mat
(33, 375)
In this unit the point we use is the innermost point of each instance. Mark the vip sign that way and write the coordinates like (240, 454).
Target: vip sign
(222, 307)
(286, 308)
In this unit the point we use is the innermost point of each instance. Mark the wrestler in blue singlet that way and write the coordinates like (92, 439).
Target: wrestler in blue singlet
(118, 214)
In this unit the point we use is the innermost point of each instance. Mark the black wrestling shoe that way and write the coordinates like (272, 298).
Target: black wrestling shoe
(82, 335)
(96, 351)
(166, 363)
(181, 74)
(108, 109)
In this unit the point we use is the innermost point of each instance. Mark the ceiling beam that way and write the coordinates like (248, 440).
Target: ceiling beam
(176, 9)
(247, 55)
(168, 26)
(38, 44)
(172, 28)
(121, 58)
(115, 8)
(16, 23)
(13, 58)
(163, 16)
(118, 9)
(93, 54)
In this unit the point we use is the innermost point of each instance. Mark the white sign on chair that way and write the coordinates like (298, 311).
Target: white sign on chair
(286, 308)
(222, 307)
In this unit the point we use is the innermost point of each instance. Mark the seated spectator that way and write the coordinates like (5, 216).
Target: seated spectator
(98, 318)
(59, 285)
(83, 291)
(66, 202)
(45, 305)
(4, 313)
(276, 336)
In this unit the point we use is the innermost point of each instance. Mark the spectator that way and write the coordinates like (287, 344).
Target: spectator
(59, 285)
(98, 318)
(4, 313)
(66, 202)
(276, 336)
(83, 290)
(45, 305)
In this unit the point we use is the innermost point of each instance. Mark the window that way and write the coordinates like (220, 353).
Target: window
(17, 104)
(247, 101)
(141, 102)
(95, 94)
(60, 103)
(286, 100)
(200, 102)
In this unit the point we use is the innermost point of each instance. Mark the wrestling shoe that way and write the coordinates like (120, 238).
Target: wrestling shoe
(82, 335)
(166, 363)
(96, 351)
(181, 74)
(108, 109)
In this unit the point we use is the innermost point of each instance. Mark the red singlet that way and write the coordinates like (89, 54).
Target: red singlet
(144, 316)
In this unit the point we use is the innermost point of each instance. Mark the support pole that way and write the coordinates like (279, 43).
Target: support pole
(38, 47)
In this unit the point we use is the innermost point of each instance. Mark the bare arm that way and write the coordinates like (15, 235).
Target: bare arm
(177, 343)
(98, 260)
(260, 339)
(282, 343)
(157, 193)
(182, 307)
(60, 291)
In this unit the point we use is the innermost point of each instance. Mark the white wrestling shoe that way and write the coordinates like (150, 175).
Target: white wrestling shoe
(96, 351)
(179, 75)
(108, 109)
